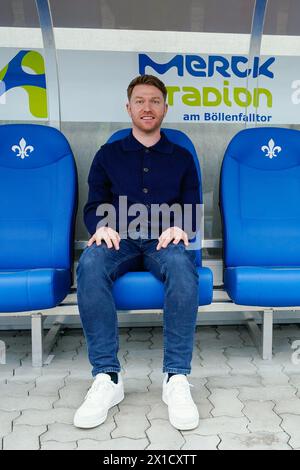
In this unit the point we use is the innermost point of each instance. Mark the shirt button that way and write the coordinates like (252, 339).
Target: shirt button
(147, 150)
(146, 169)
(145, 190)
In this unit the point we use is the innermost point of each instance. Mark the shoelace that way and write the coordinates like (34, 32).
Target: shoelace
(182, 392)
(97, 386)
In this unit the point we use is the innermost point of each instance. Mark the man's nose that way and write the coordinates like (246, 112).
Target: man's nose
(147, 106)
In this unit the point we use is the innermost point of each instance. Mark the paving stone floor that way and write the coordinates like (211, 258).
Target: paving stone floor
(243, 401)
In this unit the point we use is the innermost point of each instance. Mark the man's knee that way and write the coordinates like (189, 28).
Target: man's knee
(92, 259)
(180, 261)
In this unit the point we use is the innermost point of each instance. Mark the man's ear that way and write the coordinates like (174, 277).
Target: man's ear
(166, 108)
(128, 109)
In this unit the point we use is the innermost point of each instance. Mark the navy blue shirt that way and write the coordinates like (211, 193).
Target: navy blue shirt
(162, 173)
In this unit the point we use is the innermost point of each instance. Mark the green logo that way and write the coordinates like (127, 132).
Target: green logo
(14, 75)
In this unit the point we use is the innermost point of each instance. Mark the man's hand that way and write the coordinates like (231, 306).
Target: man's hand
(110, 236)
(172, 233)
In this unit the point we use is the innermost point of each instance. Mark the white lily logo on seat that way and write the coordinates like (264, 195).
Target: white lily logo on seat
(22, 149)
(271, 150)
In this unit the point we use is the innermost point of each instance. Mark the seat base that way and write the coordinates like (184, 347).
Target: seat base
(33, 289)
(141, 290)
(263, 286)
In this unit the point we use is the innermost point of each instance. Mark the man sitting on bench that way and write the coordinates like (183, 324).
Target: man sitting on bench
(148, 169)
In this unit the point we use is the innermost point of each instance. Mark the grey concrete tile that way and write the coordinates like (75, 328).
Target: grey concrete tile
(15, 358)
(156, 343)
(262, 417)
(172, 437)
(6, 421)
(290, 368)
(136, 385)
(228, 331)
(24, 437)
(291, 425)
(195, 442)
(156, 380)
(26, 374)
(249, 352)
(198, 388)
(146, 355)
(47, 386)
(273, 377)
(295, 380)
(245, 337)
(15, 389)
(211, 371)
(121, 443)
(136, 345)
(286, 331)
(136, 371)
(54, 445)
(71, 396)
(158, 411)
(254, 441)
(211, 358)
(226, 403)
(79, 375)
(205, 332)
(156, 364)
(131, 422)
(68, 433)
(241, 365)
(289, 406)
(233, 381)
(140, 334)
(46, 417)
(268, 393)
(220, 343)
(219, 425)
(9, 403)
(142, 399)
(6, 372)
(204, 408)
(68, 343)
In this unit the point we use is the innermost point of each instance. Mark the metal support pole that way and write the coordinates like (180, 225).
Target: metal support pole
(257, 28)
(37, 339)
(267, 340)
(51, 67)
(262, 337)
(2, 352)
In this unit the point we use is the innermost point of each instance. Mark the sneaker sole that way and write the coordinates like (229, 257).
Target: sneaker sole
(100, 420)
(179, 425)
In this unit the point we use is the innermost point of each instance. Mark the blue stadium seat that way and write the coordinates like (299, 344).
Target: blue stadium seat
(260, 208)
(141, 290)
(38, 194)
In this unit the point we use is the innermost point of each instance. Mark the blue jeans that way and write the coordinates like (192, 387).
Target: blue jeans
(100, 266)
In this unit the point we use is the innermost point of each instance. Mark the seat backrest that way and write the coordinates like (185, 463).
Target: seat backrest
(179, 138)
(38, 194)
(260, 198)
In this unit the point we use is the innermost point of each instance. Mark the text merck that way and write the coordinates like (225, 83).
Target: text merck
(199, 66)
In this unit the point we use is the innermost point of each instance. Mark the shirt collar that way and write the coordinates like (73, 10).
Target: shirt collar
(130, 143)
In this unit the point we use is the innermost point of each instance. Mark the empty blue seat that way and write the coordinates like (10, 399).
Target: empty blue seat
(38, 199)
(141, 290)
(260, 208)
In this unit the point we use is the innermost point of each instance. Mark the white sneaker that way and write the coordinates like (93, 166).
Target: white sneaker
(103, 395)
(183, 413)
